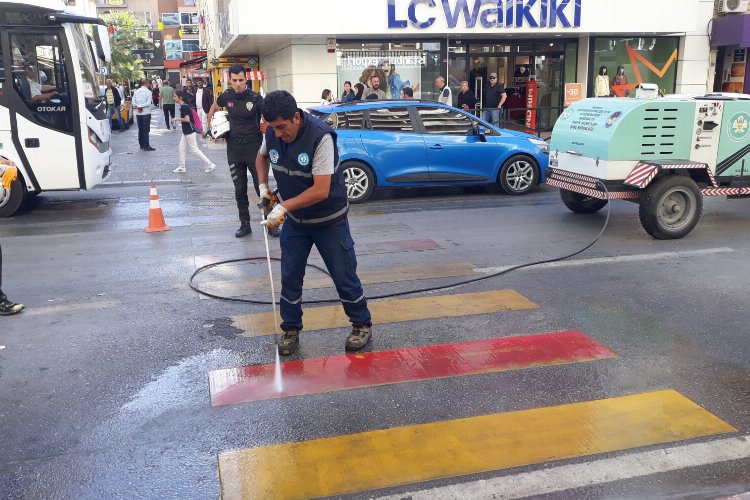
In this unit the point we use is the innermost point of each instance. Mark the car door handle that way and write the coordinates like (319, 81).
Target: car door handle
(436, 147)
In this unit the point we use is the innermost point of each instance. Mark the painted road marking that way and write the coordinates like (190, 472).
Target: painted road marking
(591, 473)
(66, 308)
(387, 275)
(339, 373)
(394, 311)
(410, 454)
(617, 259)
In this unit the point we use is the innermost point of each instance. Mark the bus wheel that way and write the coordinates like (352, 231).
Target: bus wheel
(670, 207)
(11, 201)
(580, 203)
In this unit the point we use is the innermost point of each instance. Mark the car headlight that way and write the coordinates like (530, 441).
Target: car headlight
(541, 145)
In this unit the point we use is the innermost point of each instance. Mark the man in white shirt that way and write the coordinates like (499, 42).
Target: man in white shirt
(38, 91)
(444, 91)
(142, 106)
(199, 102)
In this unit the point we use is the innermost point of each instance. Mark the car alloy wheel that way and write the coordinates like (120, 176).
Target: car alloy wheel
(518, 175)
(359, 182)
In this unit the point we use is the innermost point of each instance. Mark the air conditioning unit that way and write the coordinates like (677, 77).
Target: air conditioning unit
(732, 6)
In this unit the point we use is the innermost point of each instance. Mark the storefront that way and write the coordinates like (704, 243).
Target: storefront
(308, 47)
(731, 36)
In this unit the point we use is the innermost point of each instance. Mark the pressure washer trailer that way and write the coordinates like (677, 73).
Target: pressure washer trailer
(664, 154)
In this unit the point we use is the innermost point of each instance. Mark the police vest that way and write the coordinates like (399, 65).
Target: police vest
(292, 169)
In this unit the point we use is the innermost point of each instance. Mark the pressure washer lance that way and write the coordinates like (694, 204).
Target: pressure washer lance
(265, 206)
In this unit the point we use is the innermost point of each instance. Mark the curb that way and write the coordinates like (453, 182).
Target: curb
(162, 182)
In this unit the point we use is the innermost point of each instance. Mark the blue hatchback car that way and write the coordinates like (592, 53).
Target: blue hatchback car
(414, 143)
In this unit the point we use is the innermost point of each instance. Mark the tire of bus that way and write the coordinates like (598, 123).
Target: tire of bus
(11, 202)
(671, 207)
(580, 203)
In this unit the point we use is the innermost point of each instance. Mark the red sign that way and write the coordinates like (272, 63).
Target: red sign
(573, 93)
(531, 95)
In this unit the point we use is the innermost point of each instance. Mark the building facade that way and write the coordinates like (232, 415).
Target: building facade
(730, 38)
(173, 30)
(305, 46)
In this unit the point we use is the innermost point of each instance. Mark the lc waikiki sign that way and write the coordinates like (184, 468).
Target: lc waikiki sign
(422, 14)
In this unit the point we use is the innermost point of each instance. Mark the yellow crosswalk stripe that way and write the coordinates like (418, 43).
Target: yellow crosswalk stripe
(389, 275)
(393, 311)
(403, 455)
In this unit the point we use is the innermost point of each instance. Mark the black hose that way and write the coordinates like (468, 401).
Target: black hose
(395, 294)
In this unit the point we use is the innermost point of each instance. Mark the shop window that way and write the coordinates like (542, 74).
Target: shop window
(620, 64)
(394, 64)
(391, 120)
(444, 121)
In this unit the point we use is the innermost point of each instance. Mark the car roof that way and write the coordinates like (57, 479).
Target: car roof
(374, 104)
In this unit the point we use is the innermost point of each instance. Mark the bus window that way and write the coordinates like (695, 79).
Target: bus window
(40, 79)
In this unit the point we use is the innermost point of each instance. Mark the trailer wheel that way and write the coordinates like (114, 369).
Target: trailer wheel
(11, 201)
(670, 207)
(580, 203)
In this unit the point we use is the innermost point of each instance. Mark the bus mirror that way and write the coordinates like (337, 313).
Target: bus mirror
(101, 37)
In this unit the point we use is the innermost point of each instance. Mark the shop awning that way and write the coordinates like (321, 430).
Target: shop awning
(255, 75)
(193, 62)
(731, 30)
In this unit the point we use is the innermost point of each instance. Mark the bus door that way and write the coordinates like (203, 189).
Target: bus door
(40, 95)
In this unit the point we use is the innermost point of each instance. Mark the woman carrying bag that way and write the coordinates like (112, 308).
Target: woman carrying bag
(189, 137)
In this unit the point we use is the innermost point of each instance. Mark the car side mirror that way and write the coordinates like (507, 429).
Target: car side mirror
(481, 132)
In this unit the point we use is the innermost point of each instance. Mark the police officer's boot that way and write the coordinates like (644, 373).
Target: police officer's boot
(244, 229)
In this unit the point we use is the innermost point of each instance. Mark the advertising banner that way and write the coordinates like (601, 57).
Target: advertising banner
(395, 69)
(573, 93)
(531, 97)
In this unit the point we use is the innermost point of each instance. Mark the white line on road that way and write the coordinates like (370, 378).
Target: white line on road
(38, 311)
(618, 259)
(581, 475)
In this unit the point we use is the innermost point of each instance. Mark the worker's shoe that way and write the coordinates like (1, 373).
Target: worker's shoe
(289, 342)
(359, 337)
(244, 230)
(8, 308)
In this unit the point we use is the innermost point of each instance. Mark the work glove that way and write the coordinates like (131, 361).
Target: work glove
(276, 217)
(10, 174)
(268, 200)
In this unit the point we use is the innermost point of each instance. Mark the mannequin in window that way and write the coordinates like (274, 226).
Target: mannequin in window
(601, 83)
(621, 79)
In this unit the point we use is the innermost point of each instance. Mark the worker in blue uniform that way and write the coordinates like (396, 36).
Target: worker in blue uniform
(313, 208)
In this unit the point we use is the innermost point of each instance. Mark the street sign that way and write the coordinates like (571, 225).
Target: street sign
(104, 70)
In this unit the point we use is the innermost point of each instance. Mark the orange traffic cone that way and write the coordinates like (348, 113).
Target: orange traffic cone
(155, 215)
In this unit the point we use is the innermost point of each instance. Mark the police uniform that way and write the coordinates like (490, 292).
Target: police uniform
(324, 224)
(243, 142)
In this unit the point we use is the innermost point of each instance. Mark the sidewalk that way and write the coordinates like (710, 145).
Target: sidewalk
(130, 165)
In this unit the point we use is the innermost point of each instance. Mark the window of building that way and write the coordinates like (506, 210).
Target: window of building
(391, 120)
(173, 49)
(396, 64)
(170, 19)
(190, 3)
(630, 61)
(191, 45)
(188, 18)
(444, 121)
(143, 16)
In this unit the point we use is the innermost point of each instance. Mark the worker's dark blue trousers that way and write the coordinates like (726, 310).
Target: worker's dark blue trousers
(336, 246)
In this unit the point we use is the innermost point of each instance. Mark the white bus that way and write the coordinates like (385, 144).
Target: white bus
(53, 122)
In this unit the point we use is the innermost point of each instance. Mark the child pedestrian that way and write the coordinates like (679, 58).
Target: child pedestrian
(189, 137)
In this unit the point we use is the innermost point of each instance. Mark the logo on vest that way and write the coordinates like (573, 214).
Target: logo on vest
(303, 159)
(249, 106)
(274, 156)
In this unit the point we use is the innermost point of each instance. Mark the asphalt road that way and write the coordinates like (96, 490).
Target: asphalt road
(104, 378)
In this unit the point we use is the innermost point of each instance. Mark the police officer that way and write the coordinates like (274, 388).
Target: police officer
(302, 151)
(243, 106)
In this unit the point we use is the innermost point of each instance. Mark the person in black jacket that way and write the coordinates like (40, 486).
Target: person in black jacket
(466, 99)
(114, 101)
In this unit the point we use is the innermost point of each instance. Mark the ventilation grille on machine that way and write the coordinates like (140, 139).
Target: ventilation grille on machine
(659, 136)
(733, 6)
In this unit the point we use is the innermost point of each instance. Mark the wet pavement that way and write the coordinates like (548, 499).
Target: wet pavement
(105, 380)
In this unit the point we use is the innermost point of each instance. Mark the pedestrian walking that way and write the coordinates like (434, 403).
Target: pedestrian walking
(444, 91)
(166, 99)
(143, 106)
(190, 92)
(243, 109)
(189, 139)
(314, 204)
(465, 99)
(7, 307)
(114, 105)
(494, 98)
(203, 101)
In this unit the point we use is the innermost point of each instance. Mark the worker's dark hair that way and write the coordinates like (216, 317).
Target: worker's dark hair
(181, 94)
(236, 69)
(279, 104)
